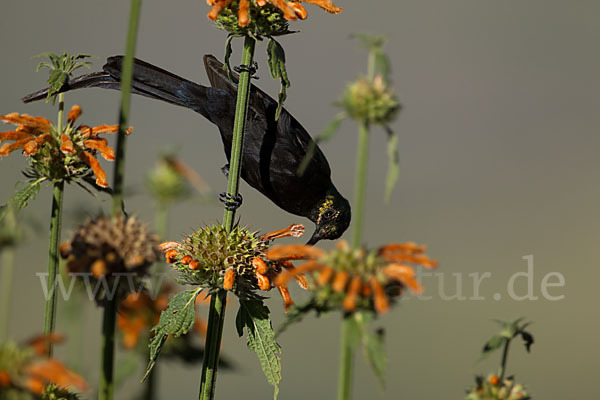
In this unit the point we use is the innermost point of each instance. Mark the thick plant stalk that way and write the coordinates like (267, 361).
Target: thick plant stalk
(7, 273)
(360, 193)
(55, 228)
(346, 360)
(216, 316)
(53, 261)
(111, 305)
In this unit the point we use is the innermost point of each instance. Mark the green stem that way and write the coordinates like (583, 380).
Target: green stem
(61, 111)
(346, 360)
(126, 78)
(241, 108)
(504, 360)
(361, 184)
(216, 314)
(108, 349)
(216, 321)
(112, 305)
(53, 261)
(7, 272)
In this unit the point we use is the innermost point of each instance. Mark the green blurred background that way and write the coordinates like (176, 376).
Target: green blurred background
(498, 155)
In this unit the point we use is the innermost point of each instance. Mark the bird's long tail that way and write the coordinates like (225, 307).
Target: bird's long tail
(148, 80)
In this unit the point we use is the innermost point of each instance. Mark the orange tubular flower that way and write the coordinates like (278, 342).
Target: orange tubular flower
(241, 259)
(66, 155)
(291, 9)
(27, 371)
(351, 279)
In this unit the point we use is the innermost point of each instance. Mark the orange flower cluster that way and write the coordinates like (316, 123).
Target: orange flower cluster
(22, 369)
(139, 312)
(238, 259)
(359, 278)
(64, 152)
(292, 9)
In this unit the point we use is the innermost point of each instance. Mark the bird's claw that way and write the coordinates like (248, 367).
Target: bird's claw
(247, 68)
(232, 203)
(225, 170)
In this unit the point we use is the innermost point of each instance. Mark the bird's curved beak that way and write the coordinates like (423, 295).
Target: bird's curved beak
(314, 238)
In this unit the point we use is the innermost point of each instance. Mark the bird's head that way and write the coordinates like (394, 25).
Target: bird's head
(331, 216)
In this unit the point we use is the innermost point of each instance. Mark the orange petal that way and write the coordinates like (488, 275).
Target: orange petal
(380, 300)
(40, 124)
(188, 173)
(32, 147)
(261, 3)
(293, 252)
(365, 291)
(325, 276)
(165, 246)
(74, 113)
(216, 9)
(287, 275)
(194, 265)
(288, 12)
(326, 5)
(66, 144)
(422, 260)
(35, 385)
(95, 166)
(352, 294)
(299, 278)
(298, 9)
(340, 281)
(263, 282)
(229, 279)
(408, 247)
(403, 274)
(285, 295)
(14, 135)
(170, 255)
(295, 230)
(53, 371)
(5, 379)
(260, 265)
(98, 268)
(101, 145)
(243, 18)
(8, 148)
(185, 260)
(40, 343)
(86, 131)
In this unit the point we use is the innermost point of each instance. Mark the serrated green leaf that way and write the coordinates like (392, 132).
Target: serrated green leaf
(494, 343)
(176, 320)
(276, 62)
(22, 197)
(261, 339)
(327, 133)
(393, 164)
(227, 56)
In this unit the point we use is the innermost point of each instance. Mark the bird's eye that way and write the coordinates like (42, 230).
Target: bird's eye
(328, 214)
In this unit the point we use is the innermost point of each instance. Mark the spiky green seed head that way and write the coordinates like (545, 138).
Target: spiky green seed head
(370, 102)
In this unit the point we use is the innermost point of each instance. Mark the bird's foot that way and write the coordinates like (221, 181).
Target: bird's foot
(247, 68)
(232, 203)
(225, 170)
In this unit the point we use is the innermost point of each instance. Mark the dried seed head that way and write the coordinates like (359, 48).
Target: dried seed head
(105, 247)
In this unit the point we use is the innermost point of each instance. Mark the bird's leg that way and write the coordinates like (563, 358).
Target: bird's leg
(247, 68)
(232, 203)
(225, 170)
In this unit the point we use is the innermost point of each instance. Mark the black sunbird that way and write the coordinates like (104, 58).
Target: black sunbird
(273, 149)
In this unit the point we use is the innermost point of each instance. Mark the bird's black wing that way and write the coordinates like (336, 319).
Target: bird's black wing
(273, 150)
